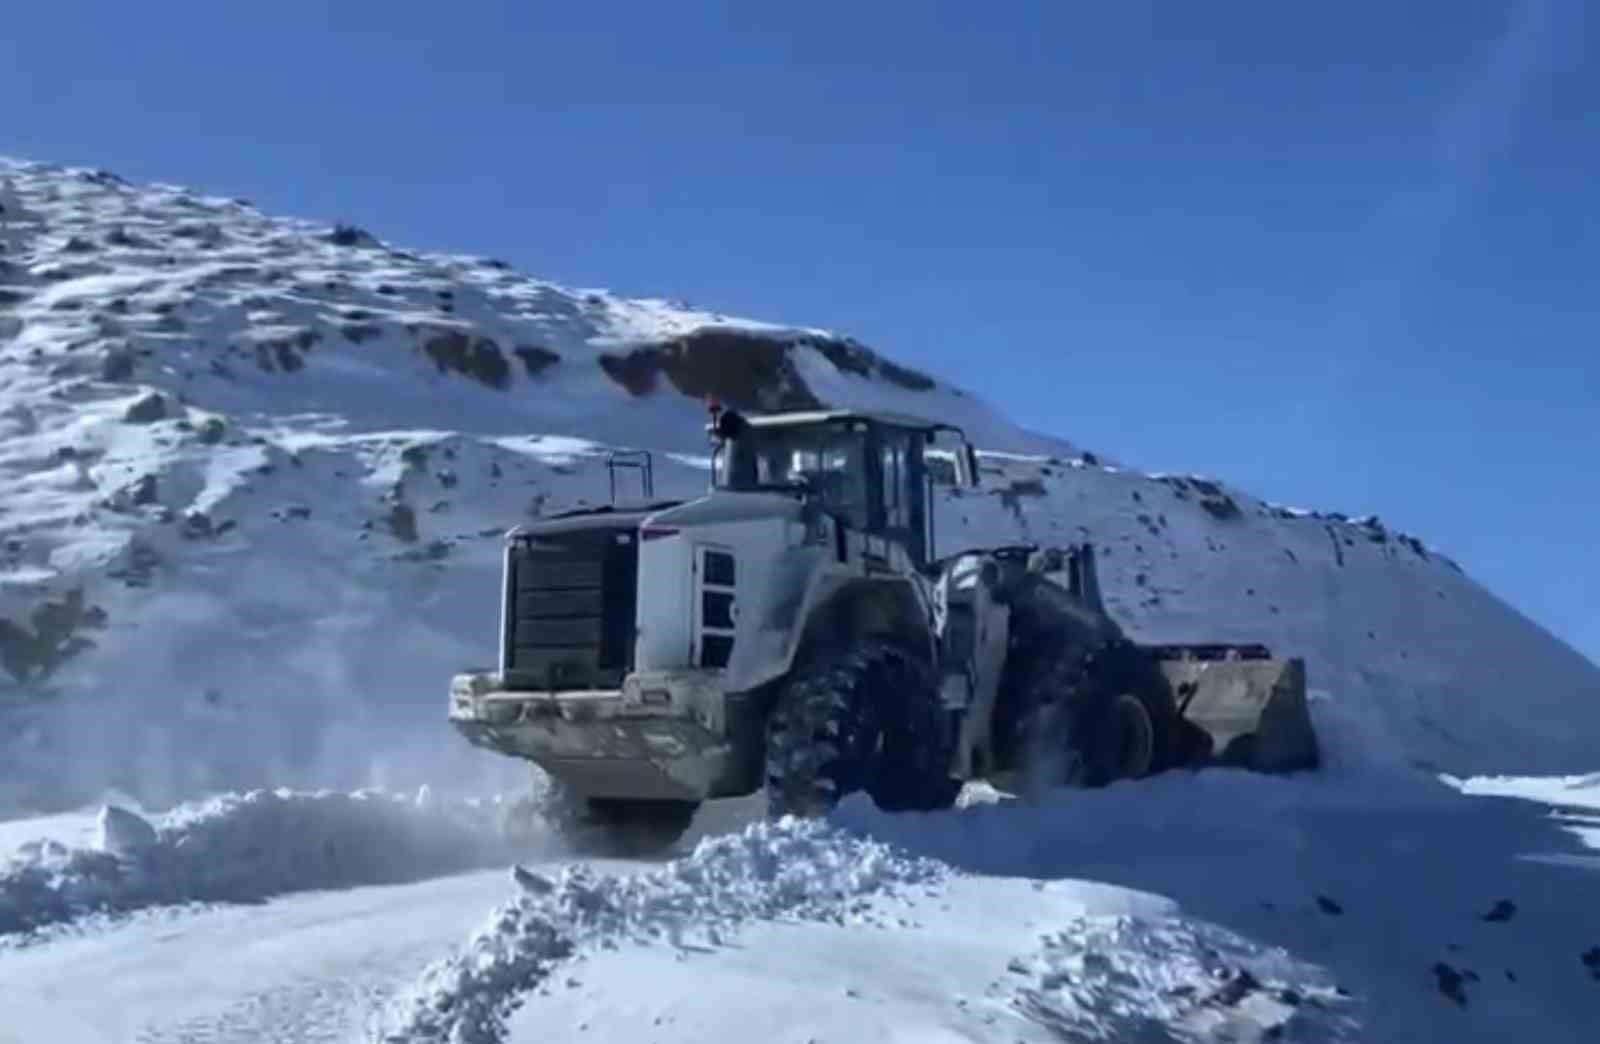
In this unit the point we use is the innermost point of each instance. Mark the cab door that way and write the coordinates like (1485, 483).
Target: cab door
(897, 472)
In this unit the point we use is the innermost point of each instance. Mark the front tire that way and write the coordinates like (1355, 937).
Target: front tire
(866, 719)
(1097, 718)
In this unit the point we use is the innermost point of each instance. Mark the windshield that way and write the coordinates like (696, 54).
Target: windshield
(829, 459)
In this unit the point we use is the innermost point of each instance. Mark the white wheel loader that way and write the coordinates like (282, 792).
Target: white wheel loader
(804, 628)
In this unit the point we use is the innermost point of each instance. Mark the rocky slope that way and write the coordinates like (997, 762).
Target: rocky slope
(253, 473)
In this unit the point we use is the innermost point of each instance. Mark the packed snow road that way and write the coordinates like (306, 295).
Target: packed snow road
(306, 967)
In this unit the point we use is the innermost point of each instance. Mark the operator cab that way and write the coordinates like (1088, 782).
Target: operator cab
(871, 472)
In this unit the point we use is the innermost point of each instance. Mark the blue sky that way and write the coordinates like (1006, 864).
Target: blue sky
(1340, 255)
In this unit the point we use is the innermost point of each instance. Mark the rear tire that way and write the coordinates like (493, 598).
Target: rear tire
(867, 719)
(1099, 717)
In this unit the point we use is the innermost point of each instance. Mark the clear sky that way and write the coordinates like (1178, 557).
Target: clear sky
(1341, 255)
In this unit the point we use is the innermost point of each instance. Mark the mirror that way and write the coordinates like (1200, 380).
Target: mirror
(950, 460)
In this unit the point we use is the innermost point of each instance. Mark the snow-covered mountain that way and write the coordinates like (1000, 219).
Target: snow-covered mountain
(253, 474)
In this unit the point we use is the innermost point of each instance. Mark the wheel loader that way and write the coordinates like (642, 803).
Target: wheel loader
(806, 628)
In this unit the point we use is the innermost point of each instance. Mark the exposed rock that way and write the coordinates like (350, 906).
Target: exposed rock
(356, 333)
(402, 522)
(142, 561)
(121, 237)
(1012, 495)
(455, 351)
(284, 353)
(212, 431)
(147, 410)
(744, 370)
(50, 638)
(535, 360)
(1502, 911)
(349, 236)
(145, 491)
(1452, 982)
(850, 356)
(435, 551)
(202, 233)
(117, 366)
(1221, 507)
(747, 369)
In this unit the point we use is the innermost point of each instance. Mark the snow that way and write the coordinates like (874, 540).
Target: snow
(1116, 977)
(788, 869)
(982, 960)
(240, 848)
(312, 967)
(1380, 886)
(1217, 906)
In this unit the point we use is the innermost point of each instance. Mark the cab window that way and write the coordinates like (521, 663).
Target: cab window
(829, 459)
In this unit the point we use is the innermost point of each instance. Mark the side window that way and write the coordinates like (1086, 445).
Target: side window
(844, 476)
(897, 491)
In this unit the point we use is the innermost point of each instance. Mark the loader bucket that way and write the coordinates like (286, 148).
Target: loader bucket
(1252, 710)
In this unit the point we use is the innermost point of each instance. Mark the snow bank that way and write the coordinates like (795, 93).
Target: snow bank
(1446, 916)
(789, 869)
(1571, 791)
(245, 847)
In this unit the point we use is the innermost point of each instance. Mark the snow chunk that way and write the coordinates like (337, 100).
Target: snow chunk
(121, 832)
(790, 869)
(1132, 978)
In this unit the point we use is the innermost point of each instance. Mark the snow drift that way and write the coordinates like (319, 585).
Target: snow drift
(1218, 906)
(788, 869)
(244, 848)
(1446, 916)
(253, 474)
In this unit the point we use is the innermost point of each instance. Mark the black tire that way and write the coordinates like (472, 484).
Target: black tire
(866, 719)
(1098, 717)
(640, 827)
(605, 826)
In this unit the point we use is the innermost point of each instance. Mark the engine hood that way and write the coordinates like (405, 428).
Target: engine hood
(585, 519)
(722, 508)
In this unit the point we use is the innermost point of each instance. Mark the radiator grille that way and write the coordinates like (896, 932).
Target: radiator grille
(570, 609)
